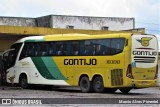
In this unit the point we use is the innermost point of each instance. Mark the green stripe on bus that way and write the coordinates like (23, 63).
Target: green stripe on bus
(48, 68)
(40, 40)
(39, 63)
(53, 68)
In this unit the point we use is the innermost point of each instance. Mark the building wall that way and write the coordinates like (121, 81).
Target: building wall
(79, 22)
(44, 21)
(14, 21)
(92, 23)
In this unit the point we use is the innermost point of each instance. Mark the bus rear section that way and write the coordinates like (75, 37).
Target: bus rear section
(143, 71)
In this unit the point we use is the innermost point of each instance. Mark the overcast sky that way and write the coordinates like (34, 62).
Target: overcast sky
(145, 12)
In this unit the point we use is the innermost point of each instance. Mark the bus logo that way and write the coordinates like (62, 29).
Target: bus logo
(144, 41)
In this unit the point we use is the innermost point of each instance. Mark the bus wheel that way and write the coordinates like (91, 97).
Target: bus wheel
(85, 84)
(23, 82)
(125, 91)
(98, 84)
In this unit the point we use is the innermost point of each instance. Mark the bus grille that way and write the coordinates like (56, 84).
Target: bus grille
(144, 59)
(117, 77)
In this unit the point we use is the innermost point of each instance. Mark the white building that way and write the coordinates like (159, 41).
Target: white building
(86, 22)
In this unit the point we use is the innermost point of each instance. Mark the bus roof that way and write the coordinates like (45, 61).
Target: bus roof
(72, 36)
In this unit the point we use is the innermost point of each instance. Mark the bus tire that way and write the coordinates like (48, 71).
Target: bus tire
(125, 91)
(23, 82)
(85, 84)
(98, 85)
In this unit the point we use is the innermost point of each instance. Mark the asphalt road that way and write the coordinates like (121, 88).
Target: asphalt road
(72, 96)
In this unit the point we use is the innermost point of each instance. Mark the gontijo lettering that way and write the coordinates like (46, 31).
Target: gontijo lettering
(146, 53)
(91, 61)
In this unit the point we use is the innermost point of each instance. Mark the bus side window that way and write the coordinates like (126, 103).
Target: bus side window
(98, 50)
(75, 48)
(64, 48)
(82, 47)
(52, 49)
(117, 45)
(23, 53)
(89, 48)
(120, 45)
(31, 50)
(59, 48)
(36, 51)
(114, 43)
(102, 47)
(43, 49)
(107, 46)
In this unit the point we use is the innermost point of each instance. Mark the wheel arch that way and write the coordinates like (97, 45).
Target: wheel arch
(96, 75)
(23, 74)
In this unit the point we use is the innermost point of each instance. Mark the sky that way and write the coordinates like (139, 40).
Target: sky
(145, 12)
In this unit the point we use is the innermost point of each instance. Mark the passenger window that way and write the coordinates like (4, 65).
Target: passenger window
(83, 47)
(117, 45)
(103, 47)
(75, 48)
(60, 48)
(89, 48)
(28, 50)
(43, 49)
(52, 49)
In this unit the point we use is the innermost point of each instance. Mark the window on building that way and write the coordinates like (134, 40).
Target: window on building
(70, 27)
(104, 28)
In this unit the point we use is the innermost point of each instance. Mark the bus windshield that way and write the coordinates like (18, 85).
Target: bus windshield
(11, 59)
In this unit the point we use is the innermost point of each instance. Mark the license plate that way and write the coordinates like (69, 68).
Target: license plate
(144, 82)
